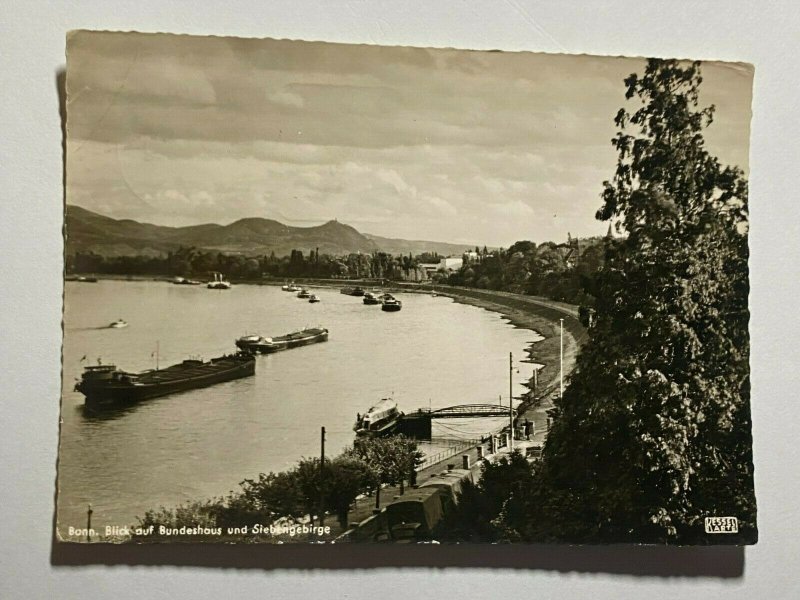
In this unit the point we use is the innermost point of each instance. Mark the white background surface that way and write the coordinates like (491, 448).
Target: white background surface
(32, 49)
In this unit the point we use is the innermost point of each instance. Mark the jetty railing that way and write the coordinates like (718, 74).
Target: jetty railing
(455, 448)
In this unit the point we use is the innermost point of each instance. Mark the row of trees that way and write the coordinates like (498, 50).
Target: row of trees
(562, 272)
(195, 263)
(653, 432)
(362, 468)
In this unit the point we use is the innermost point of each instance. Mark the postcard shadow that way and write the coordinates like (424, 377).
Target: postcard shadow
(659, 561)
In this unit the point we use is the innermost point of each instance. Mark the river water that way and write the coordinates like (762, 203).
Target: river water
(202, 443)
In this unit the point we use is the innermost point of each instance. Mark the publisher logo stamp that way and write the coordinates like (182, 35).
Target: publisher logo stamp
(722, 525)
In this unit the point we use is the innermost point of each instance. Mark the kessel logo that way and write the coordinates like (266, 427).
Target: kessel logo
(722, 525)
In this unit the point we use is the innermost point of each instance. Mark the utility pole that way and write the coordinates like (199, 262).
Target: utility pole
(321, 477)
(511, 400)
(561, 384)
(89, 524)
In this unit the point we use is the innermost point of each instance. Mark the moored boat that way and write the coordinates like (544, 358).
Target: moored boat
(219, 283)
(267, 345)
(184, 281)
(370, 298)
(391, 304)
(352, 291)
(380, 419)
(105, 384)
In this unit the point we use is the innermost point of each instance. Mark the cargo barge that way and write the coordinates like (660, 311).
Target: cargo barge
(262, 345)
(352, 291)
(105, 384)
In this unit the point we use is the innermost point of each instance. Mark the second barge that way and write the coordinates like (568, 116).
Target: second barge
(262, 345)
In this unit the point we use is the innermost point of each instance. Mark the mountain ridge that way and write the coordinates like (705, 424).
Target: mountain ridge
(88, 231)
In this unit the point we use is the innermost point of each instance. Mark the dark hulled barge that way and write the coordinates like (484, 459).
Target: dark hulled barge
(352, 291)
(262, 345)
(105, 384)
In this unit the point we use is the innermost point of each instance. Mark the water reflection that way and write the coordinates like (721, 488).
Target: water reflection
(92, 413)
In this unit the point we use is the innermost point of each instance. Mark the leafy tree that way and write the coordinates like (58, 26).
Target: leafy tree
(494, 509)
(345, 477)
(274, 494)
(390, 460)
(654, 429)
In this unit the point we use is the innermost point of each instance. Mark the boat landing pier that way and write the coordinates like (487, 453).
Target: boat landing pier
(417, 424)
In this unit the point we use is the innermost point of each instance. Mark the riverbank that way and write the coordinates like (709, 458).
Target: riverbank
(539, 315)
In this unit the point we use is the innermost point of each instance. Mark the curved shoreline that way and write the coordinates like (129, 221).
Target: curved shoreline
(540, 316)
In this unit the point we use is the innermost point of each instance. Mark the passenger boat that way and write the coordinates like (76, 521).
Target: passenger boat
(105, 384)
(262, 345)
(219, 283)
(391, 304)
(314, 298)
(380, 419)
(118, 324)
(370, 298)
(304, 293)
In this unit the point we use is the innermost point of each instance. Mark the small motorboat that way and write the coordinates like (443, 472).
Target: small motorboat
(304, 293)
(313, 298)
(184, 281)
(370, 298)
(118, 324)
(391, 304)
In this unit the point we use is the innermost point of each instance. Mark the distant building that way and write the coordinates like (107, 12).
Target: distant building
(429, 268)
(451, 263)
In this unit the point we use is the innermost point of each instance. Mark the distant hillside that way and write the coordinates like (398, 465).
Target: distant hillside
(89, 231)
(398, 246)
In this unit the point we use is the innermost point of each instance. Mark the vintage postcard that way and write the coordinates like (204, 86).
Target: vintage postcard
(347, 293)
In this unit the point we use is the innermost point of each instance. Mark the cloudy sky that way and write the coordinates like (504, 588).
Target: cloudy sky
(447, 145)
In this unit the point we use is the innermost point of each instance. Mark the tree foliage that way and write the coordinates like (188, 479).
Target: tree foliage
(654, 429)
(391, 460)
(494, 509)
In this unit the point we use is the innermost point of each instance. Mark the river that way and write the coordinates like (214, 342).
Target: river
(202, 443)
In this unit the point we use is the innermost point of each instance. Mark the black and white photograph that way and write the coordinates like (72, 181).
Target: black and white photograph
(345, 293)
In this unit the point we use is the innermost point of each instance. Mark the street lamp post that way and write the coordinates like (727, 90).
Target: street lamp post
(510, 401)
(561, 383)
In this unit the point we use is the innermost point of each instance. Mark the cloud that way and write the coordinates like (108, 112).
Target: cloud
(400, 142)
